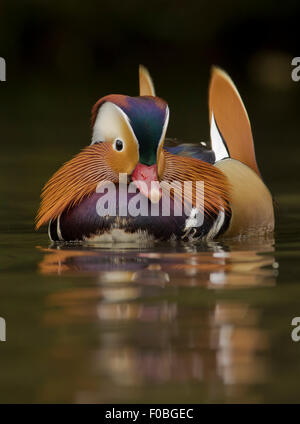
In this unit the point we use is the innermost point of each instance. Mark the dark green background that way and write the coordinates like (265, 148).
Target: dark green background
(61, 57)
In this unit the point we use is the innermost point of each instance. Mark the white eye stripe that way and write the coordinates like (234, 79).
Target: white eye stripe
(109, 123)
(164, 129)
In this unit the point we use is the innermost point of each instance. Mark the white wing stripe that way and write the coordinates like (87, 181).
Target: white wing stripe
(217, 143)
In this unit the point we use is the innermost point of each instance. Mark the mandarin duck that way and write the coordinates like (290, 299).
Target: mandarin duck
(129, 141)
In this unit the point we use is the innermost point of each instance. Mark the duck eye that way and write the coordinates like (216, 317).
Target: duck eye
(119, 145)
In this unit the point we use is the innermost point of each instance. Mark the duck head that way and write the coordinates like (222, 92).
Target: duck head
(128, 134)
(134, 128)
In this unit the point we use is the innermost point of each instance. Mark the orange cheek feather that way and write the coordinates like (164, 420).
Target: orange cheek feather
(76, 179)
(216, 186)
(80, 176)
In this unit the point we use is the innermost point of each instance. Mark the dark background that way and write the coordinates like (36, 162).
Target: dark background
(63, 55)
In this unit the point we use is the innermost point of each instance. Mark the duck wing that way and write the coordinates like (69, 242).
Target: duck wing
(192, 150)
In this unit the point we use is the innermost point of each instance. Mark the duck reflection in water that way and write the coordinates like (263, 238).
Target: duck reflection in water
(164, 317)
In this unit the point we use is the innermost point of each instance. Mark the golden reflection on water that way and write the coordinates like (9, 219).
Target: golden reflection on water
(156, 325)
